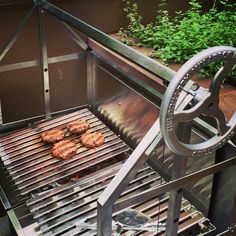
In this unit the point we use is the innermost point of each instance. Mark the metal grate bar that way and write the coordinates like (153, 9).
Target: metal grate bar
(84, 181)
(37, 128)
(88, 206)
(31, 165)
(29, 186)
(10, 149)
(141, 207)
(80, 187)
(31, 154)
(79, 201)
(56, 177)
(33, 170)
(33, 139)
(143, 174)
(191, 222)
(153, 203)
(150, 208)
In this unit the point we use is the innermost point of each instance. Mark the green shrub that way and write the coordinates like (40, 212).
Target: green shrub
(179, 38)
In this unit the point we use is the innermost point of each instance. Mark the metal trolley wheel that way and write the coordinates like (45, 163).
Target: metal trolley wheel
(205, 102)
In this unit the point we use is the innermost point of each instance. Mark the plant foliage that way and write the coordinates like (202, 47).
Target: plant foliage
(178, 38)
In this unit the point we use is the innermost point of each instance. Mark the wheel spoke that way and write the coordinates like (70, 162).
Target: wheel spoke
(195, 111)
(220, 76)
(221, 121)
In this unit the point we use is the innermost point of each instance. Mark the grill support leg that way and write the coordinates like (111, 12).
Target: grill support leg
(223, 195)
(178, 171)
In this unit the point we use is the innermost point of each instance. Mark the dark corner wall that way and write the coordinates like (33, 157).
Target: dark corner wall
(21, 90)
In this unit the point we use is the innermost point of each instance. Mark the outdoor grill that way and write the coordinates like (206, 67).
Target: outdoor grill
(134, 175)
(51, 195)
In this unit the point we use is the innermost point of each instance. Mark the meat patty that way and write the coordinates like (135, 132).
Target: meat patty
(53, 135)
(64, 149)
(92, 140)
(78, 126)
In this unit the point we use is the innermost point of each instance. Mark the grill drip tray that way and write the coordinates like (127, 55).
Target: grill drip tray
(57, 194)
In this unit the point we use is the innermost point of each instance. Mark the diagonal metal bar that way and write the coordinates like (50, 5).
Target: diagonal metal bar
(122, 179)
(175, 184)
(73, 35)
(146, 62)
(16, 34)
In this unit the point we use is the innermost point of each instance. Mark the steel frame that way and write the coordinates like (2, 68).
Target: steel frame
(106, 202)
(146, 62)
(33, 63)
(179, 166)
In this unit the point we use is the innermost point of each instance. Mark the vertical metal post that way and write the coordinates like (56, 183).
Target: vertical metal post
(1, 113)
(44, 62)
(223, 192)
(179, 166)
(233, 219)
(91, 78)
(105, 218)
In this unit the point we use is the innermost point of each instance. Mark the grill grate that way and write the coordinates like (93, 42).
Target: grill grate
(36, 176)
(30, 164)
(57, 211)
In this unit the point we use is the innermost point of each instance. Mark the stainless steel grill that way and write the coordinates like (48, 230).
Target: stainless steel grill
(133, 171)
(30, 163)
(56, 206)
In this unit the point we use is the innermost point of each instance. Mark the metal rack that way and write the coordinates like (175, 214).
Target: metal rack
(28, 169)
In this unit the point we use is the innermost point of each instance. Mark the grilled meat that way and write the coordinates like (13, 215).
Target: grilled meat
(64, 149)
(53, 135)
(78, 126)
(92, 140)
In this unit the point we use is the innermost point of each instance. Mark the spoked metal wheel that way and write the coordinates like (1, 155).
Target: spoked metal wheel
(204, 102)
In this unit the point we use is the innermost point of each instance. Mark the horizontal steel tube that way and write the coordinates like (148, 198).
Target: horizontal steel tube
(142, 60)
(33, 63)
